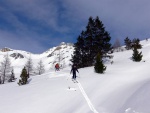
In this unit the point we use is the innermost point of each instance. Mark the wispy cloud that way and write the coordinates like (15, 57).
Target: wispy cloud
(33, 20)
(46, 23)
(121, 18)
(44, 12)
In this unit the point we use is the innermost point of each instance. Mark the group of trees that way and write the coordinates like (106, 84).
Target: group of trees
(134, 45)
(7, 71)
(28, 70)
(92, 44)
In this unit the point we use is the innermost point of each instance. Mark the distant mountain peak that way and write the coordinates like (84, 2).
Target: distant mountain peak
(68, 44)
(62, 43)
(5, 49)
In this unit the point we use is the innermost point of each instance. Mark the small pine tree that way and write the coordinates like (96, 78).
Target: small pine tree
(137, 57)
(99, 66)
(128, 43)
(12, 76)
(136, 43)
(24, 77)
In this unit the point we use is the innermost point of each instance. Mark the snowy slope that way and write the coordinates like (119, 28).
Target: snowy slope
(60, 54)
(124, 88)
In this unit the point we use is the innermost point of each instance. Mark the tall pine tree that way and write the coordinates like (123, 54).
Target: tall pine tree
(79, 53)
(102, 38)
(91, 41)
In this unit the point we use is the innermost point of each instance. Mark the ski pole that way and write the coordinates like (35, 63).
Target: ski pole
(79, 75)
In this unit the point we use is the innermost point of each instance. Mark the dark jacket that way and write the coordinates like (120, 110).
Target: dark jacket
(74, 69)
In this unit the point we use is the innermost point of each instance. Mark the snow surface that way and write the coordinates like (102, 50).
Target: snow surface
(123, 88)
(49, 58)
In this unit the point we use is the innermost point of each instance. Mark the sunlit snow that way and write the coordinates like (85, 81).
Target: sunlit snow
(123, 88)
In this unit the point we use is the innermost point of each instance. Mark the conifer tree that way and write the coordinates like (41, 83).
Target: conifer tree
(99, 66)
(79, 54)
(128, 43)
(137, 57)
(102, 38)
(136, 43)
(91, 41)
(24, 77)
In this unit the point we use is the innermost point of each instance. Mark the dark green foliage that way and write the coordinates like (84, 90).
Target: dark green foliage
(136, 43)
(137, 57)
(24, 77)
(91, 41)
(131, 44)
(128, 43)
(79, 53)
(99, 66)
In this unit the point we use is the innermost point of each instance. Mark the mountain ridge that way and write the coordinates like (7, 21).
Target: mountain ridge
(60, 54)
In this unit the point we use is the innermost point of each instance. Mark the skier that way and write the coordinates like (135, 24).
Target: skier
(73, 71)
(57, 67)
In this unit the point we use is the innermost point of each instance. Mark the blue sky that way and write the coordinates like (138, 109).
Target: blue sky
(37, 25)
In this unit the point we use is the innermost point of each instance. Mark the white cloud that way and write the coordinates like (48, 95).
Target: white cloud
(122, 18)
(44, 12)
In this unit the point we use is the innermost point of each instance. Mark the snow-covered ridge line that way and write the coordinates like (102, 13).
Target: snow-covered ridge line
(123, 88)
(60, 54)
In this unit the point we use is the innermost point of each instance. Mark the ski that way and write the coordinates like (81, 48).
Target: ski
(75, 81)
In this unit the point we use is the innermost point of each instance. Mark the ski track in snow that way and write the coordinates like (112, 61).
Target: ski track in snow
(86, 98)
(81, 89)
